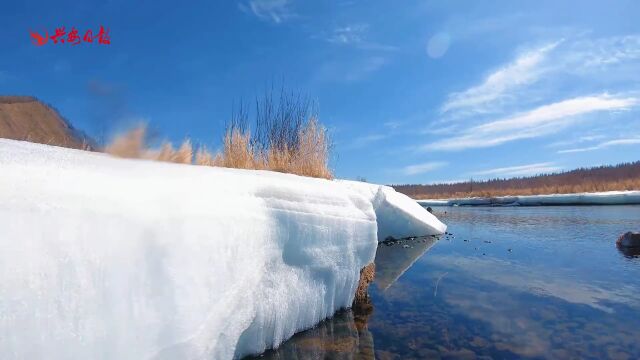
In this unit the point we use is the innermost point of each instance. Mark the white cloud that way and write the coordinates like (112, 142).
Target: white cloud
(546, 119)
(276, 11)
(520, 170)
(524, 70)
(423, 167)
(602, 145)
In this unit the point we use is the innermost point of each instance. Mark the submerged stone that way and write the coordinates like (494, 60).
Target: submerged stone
(629, 240)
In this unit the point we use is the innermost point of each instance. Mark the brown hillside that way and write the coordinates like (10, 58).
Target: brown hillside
(624, 176)
(27, 118)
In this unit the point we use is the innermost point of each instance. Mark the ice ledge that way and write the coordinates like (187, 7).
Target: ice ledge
(398, 216)
(125, 259)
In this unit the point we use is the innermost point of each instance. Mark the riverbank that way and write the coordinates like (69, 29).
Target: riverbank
(595, 198)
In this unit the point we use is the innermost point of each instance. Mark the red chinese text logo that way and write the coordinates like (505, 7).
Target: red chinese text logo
(61, 36)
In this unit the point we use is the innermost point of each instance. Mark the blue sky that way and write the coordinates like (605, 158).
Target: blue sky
(412, 91)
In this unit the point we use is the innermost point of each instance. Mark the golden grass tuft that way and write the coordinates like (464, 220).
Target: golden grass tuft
(205, 158)
(130, 144)
(238, 152)
(308, 157)
(288, 140)
(184, 154)
(312, 155)
(165, 153)
(133, 145)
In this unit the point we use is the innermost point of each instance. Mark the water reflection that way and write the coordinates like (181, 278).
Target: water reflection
(345, 336)
(630, 252)
(393, 258)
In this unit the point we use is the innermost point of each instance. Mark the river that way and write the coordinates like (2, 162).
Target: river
(507, 283)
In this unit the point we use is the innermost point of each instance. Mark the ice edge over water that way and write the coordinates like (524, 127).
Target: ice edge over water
(107, 258)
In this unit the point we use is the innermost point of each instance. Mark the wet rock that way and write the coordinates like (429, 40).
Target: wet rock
(429, 209)
(629, 240)
(367, 274)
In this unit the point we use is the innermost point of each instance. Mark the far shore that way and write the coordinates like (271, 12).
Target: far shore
(629, 197)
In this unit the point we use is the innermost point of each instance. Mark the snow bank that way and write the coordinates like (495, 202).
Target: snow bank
(398, 215)
(105, 258)
(600, 198)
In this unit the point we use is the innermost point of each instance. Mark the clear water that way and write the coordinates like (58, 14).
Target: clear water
(538, 283)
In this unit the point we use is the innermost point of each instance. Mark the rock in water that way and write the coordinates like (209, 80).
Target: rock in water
(367, 274)
(629, 240)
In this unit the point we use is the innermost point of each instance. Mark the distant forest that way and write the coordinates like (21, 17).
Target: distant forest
(625, 176)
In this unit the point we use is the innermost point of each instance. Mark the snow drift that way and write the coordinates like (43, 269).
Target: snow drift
(599, 198)
(106, 258)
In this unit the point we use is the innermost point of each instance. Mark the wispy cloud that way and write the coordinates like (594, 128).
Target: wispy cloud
(543, 120)
(578, 140)
(496, 87)
(538, 76)
(520, 170)
(355, 35)
(362, 141)
(276, 11)
(603, 145)
(588, 54)
(423, 167)
(351, 34)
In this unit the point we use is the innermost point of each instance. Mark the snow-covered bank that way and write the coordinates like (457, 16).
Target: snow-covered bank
(600, 198)
(105, 258)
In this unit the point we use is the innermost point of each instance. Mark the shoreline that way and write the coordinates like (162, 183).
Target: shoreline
(629, 197)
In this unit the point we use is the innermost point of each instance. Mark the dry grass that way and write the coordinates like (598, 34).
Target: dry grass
(204, 158)
(129, 145)
(620, 185)
(619, 177)
(238, 151)
(133, 145)
(308, 156)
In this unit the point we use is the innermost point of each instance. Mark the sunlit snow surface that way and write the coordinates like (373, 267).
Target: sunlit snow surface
(106, 258)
